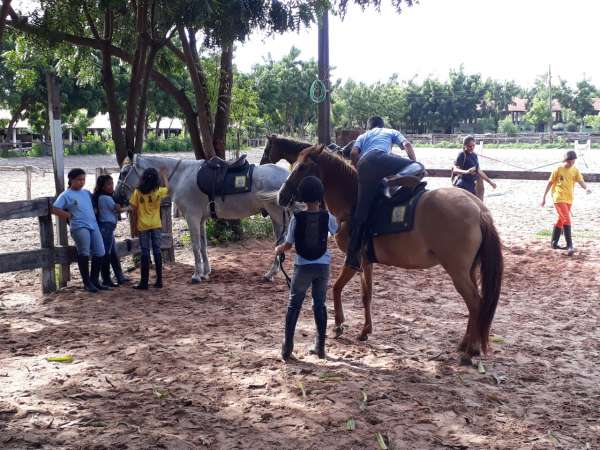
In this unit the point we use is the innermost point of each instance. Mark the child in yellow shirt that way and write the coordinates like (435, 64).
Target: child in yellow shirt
(145, 207)
(562, 183)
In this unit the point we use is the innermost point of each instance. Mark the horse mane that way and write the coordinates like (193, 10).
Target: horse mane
(340, 168)
(289, 145)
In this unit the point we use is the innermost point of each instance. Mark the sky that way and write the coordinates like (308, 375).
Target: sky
(502, 39)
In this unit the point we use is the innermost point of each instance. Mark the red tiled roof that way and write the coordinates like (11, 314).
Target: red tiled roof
(518, 105)
(596, 103)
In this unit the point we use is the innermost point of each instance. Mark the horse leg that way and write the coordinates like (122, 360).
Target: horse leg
(204, 251)
(366, 285)
(465, 340)
(278, 230)
(464, 282)
(342, 280)
(195, 226)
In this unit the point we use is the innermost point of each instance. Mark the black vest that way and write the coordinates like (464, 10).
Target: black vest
(311, 232)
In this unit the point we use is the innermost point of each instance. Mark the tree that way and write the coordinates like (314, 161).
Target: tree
(582, 99)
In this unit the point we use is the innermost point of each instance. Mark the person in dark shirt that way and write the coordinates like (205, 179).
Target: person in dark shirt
(308, 231)
(467, 168)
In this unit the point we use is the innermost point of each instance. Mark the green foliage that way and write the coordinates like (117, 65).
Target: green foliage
(153, 144)
(91, 145)
(507, 126)
(592, 121)
(253, 227)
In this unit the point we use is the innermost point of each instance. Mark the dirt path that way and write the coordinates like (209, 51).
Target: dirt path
(196, 366)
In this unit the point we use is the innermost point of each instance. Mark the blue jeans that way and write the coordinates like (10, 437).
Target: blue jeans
(150, 239)
(305, 276)
(88, 242)
(107, 230)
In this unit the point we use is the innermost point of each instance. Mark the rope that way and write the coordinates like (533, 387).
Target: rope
(288, 280)
(319, 86)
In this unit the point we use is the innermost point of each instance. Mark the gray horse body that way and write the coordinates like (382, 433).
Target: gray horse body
(194, 204)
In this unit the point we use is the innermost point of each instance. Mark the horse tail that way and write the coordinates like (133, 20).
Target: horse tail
(492, 267)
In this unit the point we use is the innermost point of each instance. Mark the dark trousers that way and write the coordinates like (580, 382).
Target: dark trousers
(305, 276)
(150, 239)
(371, 168)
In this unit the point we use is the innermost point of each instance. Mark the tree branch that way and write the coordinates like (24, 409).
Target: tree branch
(91, 23)
(4, 10)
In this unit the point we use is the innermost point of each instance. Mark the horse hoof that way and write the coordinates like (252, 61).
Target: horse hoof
(465, 360)
(205, 277)
(339, 330)
(363, 337)
(267, 278)
(195, 281)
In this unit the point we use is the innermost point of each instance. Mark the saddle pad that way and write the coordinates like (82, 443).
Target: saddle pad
(217, 182)
(395, 215)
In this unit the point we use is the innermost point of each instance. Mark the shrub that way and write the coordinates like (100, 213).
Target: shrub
(172, 144)
(507, 126)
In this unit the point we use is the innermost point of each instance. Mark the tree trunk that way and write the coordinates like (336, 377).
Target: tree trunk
(157, 128)
(202, 106)
(223, 100)
(110, 91)
(137, 73)
(141, 120)
(3, 14)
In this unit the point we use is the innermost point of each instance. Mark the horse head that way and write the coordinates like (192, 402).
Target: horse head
(270, 154)
(129, 178)
(306, 165)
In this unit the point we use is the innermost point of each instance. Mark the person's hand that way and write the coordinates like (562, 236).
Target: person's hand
(493, 184)
(279, 249)
(162, 171)
(588, 191)
(543, 203)
(472, 170)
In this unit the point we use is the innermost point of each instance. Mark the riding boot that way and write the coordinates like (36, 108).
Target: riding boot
(291, 318)
(95, 273)
(144, 272)
(158, 266)
(84, 269)
(321, 323)
(555, 237)
(568, 238)
(105, 272)
(353, 258)
(116, 266)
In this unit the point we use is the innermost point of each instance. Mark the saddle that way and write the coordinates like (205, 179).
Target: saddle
(394, 208)
(217, 177)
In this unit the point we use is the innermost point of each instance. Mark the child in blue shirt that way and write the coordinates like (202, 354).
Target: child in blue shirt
(75, 206)
(308, 230)
(107, 213)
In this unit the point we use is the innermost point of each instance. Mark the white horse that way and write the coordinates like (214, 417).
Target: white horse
(194, 204)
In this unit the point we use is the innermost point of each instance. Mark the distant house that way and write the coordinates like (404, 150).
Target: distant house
(19, 132)
(556, 111)
(517, 109)
(596, 105)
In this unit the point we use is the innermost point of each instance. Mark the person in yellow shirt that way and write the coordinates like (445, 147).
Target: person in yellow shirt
(562, 183)
(145, 209)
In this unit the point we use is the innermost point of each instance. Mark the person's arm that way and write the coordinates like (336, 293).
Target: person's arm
(61, 213)
(460, 171)
(289, 238)
(584, 186)
(484, 177)
(282, 248)
(163, 176)
(548, 187)
(408, 148)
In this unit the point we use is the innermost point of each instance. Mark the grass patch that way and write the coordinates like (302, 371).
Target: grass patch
(523, 146)
(253, 227)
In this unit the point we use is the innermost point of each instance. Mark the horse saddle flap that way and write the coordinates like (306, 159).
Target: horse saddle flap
(396, 215)
(217, 177)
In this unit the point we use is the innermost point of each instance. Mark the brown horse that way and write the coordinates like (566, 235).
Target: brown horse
(279, 148)
(452, 228)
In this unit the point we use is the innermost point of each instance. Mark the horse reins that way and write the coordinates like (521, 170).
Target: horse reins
(288, 280)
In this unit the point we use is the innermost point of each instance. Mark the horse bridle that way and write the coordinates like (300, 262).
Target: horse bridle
(134, 167)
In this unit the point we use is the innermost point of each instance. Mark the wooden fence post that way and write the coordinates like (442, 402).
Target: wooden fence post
(167, 227)
(47, 241)
(28, 170)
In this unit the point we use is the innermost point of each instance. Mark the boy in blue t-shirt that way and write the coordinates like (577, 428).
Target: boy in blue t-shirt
(308, 230)
(467, 168)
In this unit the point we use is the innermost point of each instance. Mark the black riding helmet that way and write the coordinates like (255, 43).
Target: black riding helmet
(310, 190)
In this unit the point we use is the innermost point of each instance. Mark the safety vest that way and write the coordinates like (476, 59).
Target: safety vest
(310, 235)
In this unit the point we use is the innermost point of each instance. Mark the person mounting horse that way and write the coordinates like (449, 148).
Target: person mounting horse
(373, 159)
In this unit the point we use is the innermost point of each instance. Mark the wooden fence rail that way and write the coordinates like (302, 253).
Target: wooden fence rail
(49, 255)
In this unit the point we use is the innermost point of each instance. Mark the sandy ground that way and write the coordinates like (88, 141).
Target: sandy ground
(196, 366)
